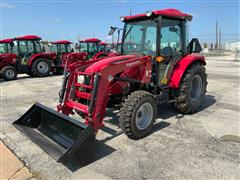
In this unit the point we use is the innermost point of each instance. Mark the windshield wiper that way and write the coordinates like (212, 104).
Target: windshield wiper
(127, 32)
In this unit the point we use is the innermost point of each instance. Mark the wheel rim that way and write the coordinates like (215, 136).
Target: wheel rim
(42, 67)
(9, 74)
(144, 116)
(196, 87)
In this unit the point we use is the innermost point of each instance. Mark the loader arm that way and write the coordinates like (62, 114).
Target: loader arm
(101, 86)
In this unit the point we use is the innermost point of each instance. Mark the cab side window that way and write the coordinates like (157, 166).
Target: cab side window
(62, 48)
(23, 47)
(30, 46)
(38, 46)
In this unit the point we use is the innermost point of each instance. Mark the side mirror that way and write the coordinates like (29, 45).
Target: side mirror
(112, 30)
(72, 50)
(194, 46)
(173, 29)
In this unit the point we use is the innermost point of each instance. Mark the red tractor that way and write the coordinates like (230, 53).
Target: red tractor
(27, 57)
(159, 67)
(94, 48)
(65, 55)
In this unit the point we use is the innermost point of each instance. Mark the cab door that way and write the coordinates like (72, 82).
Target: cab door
(172, 47)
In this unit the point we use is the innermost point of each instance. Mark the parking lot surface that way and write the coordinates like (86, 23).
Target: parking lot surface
(204, 145)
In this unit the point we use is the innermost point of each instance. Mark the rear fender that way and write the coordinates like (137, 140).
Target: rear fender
(181, 68)
(40, 55)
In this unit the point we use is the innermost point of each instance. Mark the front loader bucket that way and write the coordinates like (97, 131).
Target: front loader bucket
(62, 137)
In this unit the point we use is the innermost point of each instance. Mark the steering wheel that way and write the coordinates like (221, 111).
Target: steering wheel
(167, 51)
(148, 50)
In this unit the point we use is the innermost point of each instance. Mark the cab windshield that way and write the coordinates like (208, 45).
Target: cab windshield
(54, 48)
(83, 47)
(102, 48)
(93, 47)
(140, 38)
(60, 48)
(29, 46)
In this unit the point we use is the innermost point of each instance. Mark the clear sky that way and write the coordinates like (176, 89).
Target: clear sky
(73, 19)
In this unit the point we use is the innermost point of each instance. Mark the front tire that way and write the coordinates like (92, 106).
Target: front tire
(138, 114)
(41, 68)
(192, 92)
(8, 73)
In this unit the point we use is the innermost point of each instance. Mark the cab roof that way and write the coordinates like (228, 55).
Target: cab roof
(92, 40)
(6, 40)
(172, 13)
(102, 43)
(62, 42)
(28, 37)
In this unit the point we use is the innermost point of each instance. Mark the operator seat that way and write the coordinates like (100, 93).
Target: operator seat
(167, 51)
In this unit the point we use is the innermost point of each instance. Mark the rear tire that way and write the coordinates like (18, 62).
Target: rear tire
(138, 114)
(191, 94)
(8, 73)
(41, 68)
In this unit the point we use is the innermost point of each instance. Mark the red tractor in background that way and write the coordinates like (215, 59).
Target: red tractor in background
(94, 48)
(159, 67)
(65, 55)
(26, 57)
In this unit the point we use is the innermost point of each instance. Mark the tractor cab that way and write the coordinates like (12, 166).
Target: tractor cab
(103, 47)
(6, 46)
(160, 34)
(27, 46)
(61, 47)
(90, 46)
(65, 55)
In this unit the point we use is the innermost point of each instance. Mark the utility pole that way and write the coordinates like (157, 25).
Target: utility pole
(220, 39)
(216, 35)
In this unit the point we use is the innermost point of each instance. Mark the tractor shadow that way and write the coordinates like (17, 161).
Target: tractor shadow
(165, 112)
(100, 148)
(97, 152)
(209, 101)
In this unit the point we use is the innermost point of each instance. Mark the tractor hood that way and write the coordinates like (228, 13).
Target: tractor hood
(97, 66)
(9, 56)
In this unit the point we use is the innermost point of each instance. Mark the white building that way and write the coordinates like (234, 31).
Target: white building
(233, 46)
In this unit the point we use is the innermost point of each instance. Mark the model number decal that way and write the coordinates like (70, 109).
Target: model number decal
(132, 63)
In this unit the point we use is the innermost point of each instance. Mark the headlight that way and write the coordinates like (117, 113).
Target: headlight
(149, 13)
(80, 79)
(122, 18)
